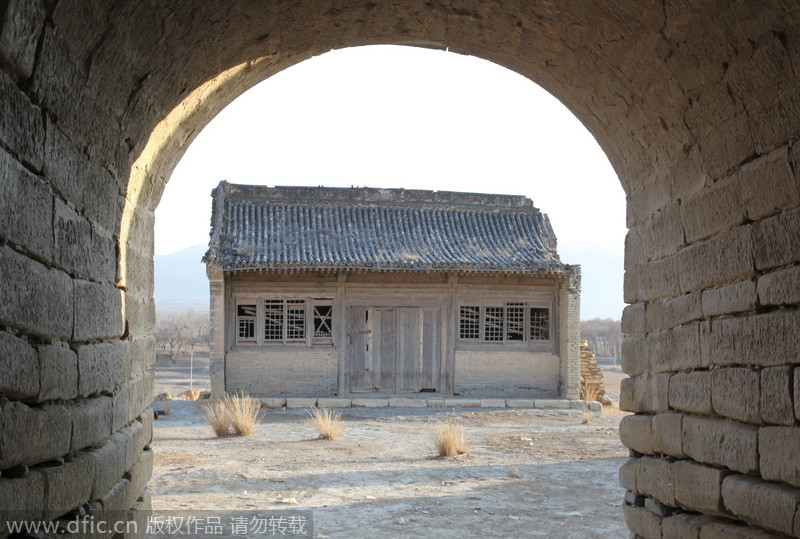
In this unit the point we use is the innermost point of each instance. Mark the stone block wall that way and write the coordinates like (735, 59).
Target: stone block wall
(76, 343)
(696, 105)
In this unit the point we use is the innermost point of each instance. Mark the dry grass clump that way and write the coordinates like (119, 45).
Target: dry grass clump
(237, 413)
(589, 391)
(329, 424)
(448, 438)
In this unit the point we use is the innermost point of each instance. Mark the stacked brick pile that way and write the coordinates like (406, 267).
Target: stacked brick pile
(590, 372)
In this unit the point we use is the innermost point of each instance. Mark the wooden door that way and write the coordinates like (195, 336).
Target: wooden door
(385, 348)
(431, 349)
(394, 350)
(409, 350)
(359, 335)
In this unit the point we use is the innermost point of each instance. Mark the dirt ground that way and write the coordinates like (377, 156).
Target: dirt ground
(528, 473)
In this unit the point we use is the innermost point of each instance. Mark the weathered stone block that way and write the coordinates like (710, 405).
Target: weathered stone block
(493, 403)
(781, 287)
(436, 403)
(34, 297)
(141, 471)
(691, 392)
(333, 403)
(633, 318)
(67, 486)
(724, 258)
(765, 339)
(519, 403)
(101, 367)
(296, 402)
(22, 129)
(21, 428)
(684, 526)
(728, 530)
(768, 185)
(758, 502)
(272, 404)
(144, 436)
(681, 310)
(23, 494)
(636, 432)
(631, 285)
(776, 395)
(736, 393)
(91, 422)
(22, 193)
(779, 448)
(119, 497)
(659, 279)
(96, 195)
(721, 443)
(645, 393)
(58, 368)
(110, 464)
(551, 403)
(775, 240)
(627, 474)
(662, 232)
(699, 487)
(676, 349)
(397, 402)
(667, 430)
(140, 314)
(797, 392)
(98, 311)
(139, 272)
(712, 209)
(635, 359)
(732, 298)
(81, 249)
(19, 367)
(655, 477)
(20, 27)
(642, 522)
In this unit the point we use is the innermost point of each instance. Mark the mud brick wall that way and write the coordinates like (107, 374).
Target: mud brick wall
(697, 106)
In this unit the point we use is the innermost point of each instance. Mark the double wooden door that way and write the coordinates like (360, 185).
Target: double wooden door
(394, 350)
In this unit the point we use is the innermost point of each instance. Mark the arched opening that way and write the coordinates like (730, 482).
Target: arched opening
(506, 138)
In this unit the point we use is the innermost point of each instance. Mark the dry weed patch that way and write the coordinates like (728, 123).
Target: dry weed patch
(448, 438)
(328, 423)
(237, 413)
(589, 391)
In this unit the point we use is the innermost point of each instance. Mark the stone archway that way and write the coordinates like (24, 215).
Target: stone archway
(695, 107)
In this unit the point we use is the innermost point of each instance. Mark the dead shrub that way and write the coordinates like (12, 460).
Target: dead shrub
(448, 438)
(237, 413)
(243, 412)
(216, 414)
(329, 424)
(589, 391)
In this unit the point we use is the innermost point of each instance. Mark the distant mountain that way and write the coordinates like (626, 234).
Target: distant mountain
(180, 280)
(601, 281)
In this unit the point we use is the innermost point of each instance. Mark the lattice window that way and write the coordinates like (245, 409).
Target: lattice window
(493, 324)
(470, 322)
(295, 319)
(515, 321)
(246, 323)
(273, 320)
(323, 324)
(540, 324)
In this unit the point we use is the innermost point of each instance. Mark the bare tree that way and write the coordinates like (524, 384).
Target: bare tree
(181, 331)
(604, 336)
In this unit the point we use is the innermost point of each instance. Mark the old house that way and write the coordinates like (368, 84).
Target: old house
(359, 292)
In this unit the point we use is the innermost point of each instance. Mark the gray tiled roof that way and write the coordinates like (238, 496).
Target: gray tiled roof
(291, 228)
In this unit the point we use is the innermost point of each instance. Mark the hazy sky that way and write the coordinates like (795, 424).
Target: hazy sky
(387, 116)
